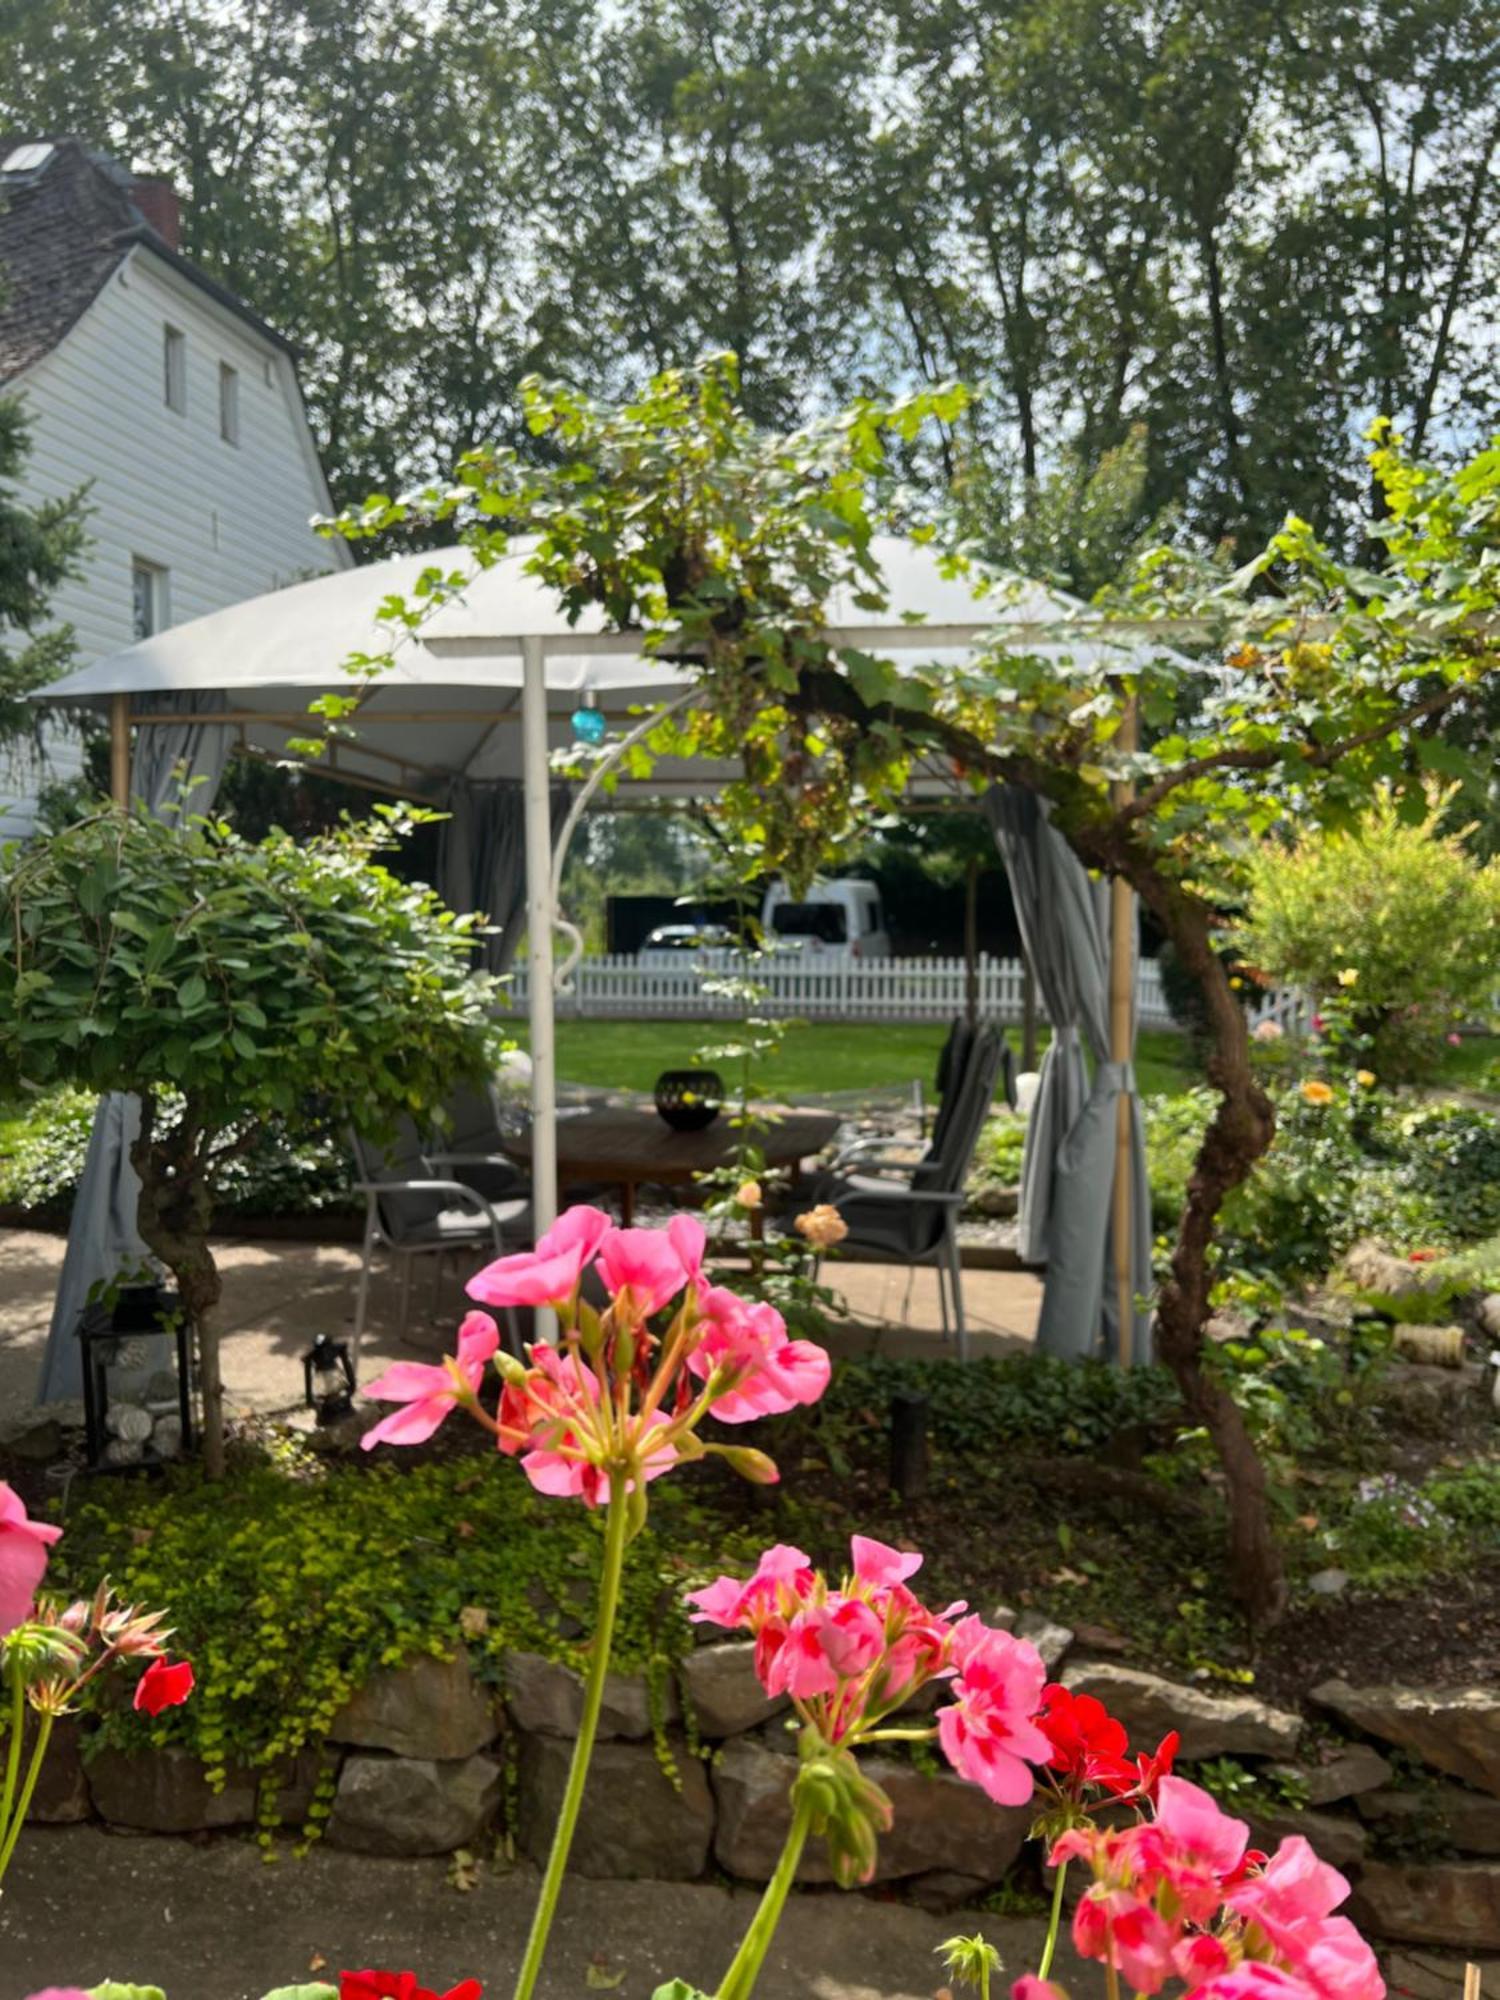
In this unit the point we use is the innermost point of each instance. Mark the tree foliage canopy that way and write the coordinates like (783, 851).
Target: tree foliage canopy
(1246, 229)
(247, 979)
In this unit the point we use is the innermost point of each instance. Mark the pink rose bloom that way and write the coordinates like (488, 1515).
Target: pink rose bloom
(23, 1558)
(428, 1392)
(987, 1733)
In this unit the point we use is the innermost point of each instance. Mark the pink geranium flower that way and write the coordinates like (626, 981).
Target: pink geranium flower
(549, 1274)
(428, 1392)
(761, 1372)
(987, 1733)
(23, 1558)
(645, 1263)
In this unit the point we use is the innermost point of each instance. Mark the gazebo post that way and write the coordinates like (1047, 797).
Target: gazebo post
(119, 749)
(1121, 1050)
(536, 778)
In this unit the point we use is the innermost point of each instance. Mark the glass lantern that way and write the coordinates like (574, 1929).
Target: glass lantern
(138, 1388)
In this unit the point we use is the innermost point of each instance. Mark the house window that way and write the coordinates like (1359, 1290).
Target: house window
(149, 610)
(229, 403)
(174, 368)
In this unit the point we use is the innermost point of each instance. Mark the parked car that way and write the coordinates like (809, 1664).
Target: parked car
(686, 944)
(835, 922)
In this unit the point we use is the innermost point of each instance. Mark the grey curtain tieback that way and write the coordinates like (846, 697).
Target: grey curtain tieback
(1117, 1078)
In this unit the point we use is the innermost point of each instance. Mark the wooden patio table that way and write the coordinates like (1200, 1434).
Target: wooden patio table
(628, 1146)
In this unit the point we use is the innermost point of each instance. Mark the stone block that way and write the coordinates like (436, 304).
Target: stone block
(1050, 1639)
(1456, 1903)
(1470, 1821)
(635, 1824)
(1333, 1837)
(722, 1691)
(1355, 1769)
(424, 1708)
(1211, 1725)
(942, 1824)
(1456, 1729)
(414, 1805)
(167, 1791)
(546, 1698)
(61, 1797)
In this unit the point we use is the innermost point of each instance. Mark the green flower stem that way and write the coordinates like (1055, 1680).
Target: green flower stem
(13, 1748)
(1056, 1923)
(739, 1981)
(23, 1804)
(615, 1527)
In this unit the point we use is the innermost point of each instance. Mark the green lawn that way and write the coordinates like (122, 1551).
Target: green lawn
(816, 1056)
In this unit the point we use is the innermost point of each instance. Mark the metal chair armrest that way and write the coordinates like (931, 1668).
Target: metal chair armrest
(457, 1189)
(933, 1197)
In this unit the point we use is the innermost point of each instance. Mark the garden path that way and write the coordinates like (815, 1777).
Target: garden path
(277, 1296)
(209, 1921)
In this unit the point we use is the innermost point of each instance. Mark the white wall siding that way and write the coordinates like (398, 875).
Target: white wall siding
(226, 521)
(26, 768)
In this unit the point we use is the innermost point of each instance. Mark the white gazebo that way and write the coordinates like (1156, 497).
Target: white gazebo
(470, 714)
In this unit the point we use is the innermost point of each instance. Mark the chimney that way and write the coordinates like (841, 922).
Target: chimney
(158, 202)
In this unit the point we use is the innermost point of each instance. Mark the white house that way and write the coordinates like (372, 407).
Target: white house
(151, 385)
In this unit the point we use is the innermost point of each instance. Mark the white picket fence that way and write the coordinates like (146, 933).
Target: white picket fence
(876, 989)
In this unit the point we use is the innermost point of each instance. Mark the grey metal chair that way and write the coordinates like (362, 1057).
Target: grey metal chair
(412, 1211)
(907, 1212)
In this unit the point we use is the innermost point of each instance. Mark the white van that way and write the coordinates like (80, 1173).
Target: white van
(835, 921)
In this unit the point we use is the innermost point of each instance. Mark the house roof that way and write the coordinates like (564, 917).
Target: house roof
(67, 222)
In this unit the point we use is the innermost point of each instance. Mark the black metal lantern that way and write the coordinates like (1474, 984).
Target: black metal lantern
(137, 1379)
(328, 1379)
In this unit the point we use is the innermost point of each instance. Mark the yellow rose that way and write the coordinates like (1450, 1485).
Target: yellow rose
(822, 1226)
(1349, 976)
(1365, 1078)
(1317, 1092)
(749, 1195)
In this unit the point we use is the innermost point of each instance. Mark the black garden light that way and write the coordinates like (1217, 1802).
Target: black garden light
(328, 1379)
(137, 1379)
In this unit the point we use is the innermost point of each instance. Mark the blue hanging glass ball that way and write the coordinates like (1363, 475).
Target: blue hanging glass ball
(589, 725)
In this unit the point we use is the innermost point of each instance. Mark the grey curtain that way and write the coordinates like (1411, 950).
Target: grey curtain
(1067, 1174)
(482, 859)
(176, 767)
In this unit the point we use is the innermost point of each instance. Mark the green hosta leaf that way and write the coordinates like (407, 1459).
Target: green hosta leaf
(112, 1989)
(678, 1989)
(315, 1992)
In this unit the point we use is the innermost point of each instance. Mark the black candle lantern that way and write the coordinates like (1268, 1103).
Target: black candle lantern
(137, 1379)
(328, 1379)
(689, 1099)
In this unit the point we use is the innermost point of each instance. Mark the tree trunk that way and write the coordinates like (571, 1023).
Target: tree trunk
(1241, 1130)
(173, 1216)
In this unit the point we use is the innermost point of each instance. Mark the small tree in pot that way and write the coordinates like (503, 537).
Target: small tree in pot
(230, 985)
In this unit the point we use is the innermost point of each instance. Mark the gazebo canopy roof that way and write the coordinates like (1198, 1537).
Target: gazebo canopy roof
(449, 705)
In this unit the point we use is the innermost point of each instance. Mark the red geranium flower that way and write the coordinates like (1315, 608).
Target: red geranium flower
(1088, 1744)
(401, 1986)
(165, 1684)
(1154, 1768)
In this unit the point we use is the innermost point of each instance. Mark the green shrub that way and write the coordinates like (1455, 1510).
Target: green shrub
(42, 1149)
(289, 1586)
(1404, 906)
